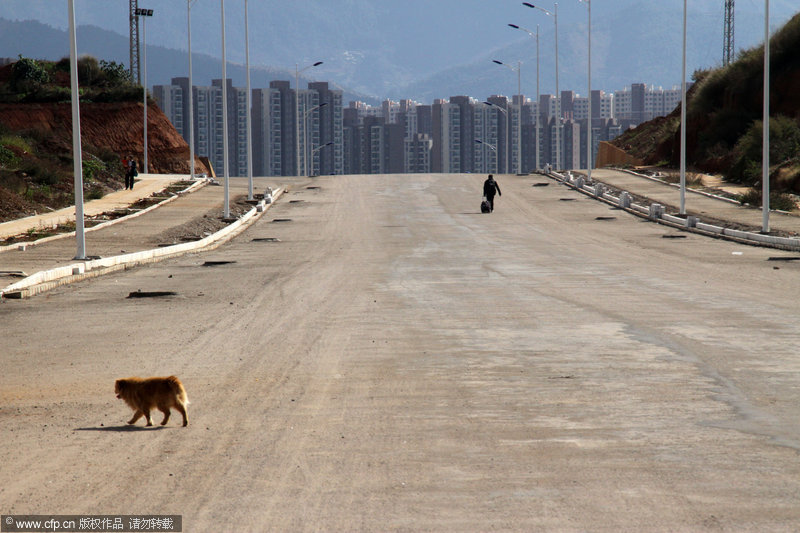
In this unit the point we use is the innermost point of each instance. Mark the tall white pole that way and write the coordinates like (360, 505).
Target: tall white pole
(558, 96)
(538, 111)
(508, 135)
(765, 143)
(683, 118)
(144, 88)
(536, 121)
(558, 101)
(226, 208)
(297, 117)
(77, 161)
(589, 146)
(305, 140)
(249, 106)
(507, 116)
(190, 118)
(519, 117)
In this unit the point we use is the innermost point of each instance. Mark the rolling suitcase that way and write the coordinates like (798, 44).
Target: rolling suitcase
(485, 207)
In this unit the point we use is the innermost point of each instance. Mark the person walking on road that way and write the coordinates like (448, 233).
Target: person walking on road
(130, 173)
(490, 187)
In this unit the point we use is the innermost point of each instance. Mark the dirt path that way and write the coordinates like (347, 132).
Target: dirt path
(397, 361)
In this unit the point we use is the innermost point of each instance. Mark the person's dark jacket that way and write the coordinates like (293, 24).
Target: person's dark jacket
(489, 188)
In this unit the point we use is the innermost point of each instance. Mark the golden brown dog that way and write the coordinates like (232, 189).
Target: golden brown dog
(142, 395)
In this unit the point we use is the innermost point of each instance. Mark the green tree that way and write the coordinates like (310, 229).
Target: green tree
(92, 167)
(115, 73)
(784, 144)
(28, 74)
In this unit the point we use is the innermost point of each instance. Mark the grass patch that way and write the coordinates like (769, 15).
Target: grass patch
(17, 142)
(777, 200)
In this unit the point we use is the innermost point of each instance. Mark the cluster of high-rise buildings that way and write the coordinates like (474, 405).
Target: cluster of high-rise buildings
(311, 132)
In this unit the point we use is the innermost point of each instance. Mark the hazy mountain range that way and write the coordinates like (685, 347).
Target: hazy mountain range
(420, 49)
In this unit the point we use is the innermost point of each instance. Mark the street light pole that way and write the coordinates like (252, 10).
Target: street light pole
(320, 147)
(249, 106)
(538, 111)
(507, 129)
(589, 150)
(226, 211)
(519, 117)
(558, 98)
(191, 90)
(518, 70)
(77, 161)
(683, 119)
(554, 14)
(538, 96)
(305, 139)
(765, 133)
(144, 13)
(297, 111)
(494, 148)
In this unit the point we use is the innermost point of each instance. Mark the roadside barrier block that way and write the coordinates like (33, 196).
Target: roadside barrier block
(656, 211)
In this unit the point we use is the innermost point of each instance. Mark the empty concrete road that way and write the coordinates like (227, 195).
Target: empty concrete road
(399, 362)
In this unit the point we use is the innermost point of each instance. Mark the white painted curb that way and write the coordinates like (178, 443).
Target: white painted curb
(655, 213)
(49, 279)
(23, 245)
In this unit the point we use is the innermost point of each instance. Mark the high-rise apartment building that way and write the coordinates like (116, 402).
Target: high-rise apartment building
(311, 132)
(641, 103)
(208, 127)
(327, 158)
(170, 100)
(285, 143)
(274, 128)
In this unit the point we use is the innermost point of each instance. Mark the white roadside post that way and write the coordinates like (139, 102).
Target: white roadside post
(77, 166)
(249, 106)
(144, 13)
(297, 73)
(226, 211)
(765, 120)
(589, 150)
(190, 118)
(554, 14)
(683, 118)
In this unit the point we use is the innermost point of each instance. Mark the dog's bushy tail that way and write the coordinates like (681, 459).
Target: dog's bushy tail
(177, 387)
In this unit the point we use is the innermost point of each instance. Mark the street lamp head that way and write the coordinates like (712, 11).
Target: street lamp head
(498, 62)
(514, 26)
(528, 4)
(318, 63)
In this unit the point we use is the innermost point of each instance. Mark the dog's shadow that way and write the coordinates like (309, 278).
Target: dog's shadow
(122, 429)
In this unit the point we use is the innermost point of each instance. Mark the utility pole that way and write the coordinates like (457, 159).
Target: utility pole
(727, 48)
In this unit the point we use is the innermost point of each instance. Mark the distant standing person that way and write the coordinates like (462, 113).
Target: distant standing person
(490, 187)
(130, 173)
(124, 160)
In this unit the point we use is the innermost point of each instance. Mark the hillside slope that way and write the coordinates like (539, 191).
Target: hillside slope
(115, 126)
(39, 135)
(36, 159)
(724, 114)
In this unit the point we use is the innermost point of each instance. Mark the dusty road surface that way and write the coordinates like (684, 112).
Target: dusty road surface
(399, 362)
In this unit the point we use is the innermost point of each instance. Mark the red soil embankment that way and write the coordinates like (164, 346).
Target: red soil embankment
(117, 126)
